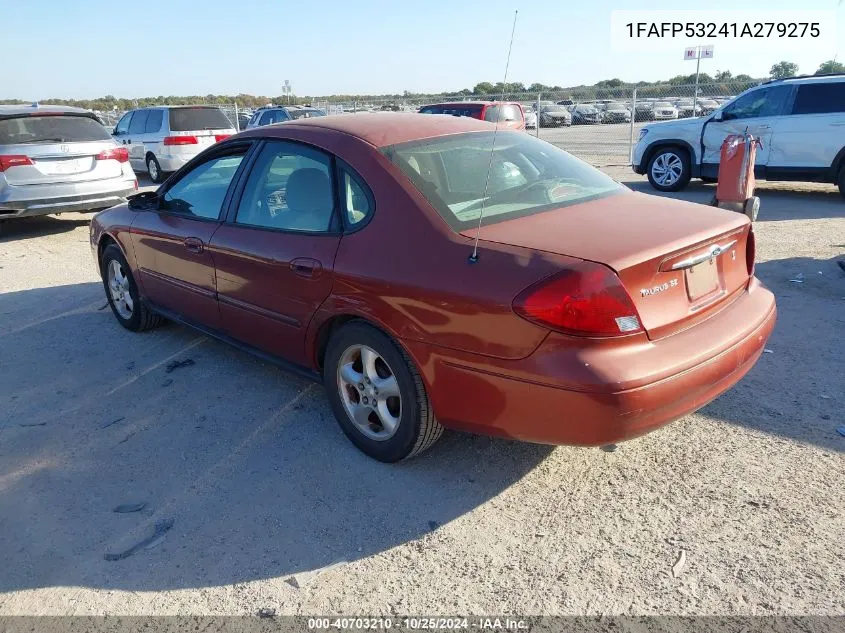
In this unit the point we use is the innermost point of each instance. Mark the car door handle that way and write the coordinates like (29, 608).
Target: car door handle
(306, 267)
(763, 127)
(194, 245)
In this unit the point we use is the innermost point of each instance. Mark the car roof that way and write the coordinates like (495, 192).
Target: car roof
(381, 128)
(13, 110)
(176, 107)
(469, 103)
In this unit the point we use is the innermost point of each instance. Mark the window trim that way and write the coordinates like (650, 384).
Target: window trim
(219, 151)
(348, 229)
(238, 192)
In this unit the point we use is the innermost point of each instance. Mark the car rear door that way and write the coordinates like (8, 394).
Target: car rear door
(56, 148)
(274, 256)
(757, 111)
(808, 138)
(135, 139)
(171, 241)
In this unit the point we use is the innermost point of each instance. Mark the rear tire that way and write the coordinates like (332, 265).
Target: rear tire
(119, 285)
(359, 361)
(154, 169)
(669, 169)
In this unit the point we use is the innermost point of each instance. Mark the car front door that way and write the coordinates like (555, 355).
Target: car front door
(757, 111)
(135, 139)
(808, 138)
(171, 242)
(121, 130)
(274, 256)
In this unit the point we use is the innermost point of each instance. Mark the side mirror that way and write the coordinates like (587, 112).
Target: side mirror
(116, 133)
(718, 115)
(144, 201)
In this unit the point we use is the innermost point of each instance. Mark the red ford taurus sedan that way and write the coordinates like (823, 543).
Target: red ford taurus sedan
(342, 248)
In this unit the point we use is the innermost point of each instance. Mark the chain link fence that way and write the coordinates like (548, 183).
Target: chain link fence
(599, 125)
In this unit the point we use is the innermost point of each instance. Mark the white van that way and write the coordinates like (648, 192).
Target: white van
(800, 122)
(161, 139)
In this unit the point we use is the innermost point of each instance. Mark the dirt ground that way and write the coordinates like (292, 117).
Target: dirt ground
(253, 498)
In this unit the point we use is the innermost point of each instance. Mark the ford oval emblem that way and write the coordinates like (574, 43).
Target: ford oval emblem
(65, 148)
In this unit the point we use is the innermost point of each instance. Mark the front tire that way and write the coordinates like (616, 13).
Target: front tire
(154, 169)
(122, 293)
(377, 394)
(669, 169)
(840, 181)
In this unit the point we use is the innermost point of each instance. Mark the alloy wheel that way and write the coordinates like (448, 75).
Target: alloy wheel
(369, 392)
(119, 289)
(667, 169)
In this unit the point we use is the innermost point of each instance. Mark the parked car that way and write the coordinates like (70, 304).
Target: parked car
(55, 159)
(161, 139)
(243, 120)
(798, 120)
(573, 322)
(555, 116)
(530, 117)
(282, 114)
(687, 108)
(585, 114)
(614, 112)
(644, 111)
(663, 110)
(707, 106)
(509, 114)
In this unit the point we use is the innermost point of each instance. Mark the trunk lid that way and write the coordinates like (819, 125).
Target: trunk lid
(680, 262)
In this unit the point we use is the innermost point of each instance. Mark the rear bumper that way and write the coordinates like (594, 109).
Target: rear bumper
(174, 162)
(80, 202)
(566, 393)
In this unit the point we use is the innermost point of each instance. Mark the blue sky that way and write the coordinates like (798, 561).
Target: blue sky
(85, 49)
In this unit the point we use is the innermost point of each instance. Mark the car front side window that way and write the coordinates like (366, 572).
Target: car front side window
(122, 126)
(756, 104)
(200, 193)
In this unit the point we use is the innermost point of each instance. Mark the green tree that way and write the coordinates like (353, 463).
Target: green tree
(722, 76)
(782, 70)
(742, 77)
(829, 67)
(483, 88)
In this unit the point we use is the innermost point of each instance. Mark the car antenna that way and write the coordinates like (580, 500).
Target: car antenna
(474, 257)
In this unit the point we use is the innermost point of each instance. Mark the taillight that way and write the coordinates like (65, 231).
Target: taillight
(13, 160)
(120, 154)
(586, 300)
(221, 137)
(180, 140)
(750, 251)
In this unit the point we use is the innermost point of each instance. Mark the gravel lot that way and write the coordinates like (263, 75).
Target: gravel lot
(734, 510)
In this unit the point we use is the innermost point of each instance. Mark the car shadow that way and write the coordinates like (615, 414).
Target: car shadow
(777, 203)
(40, 226)
(810, 297)
(242, 471)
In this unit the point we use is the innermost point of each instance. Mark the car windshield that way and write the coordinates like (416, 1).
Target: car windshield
(662, 104)
(455, 110)
(305, 113)
(51, 129)
(555, 109)
(615, 106)
(185, 119)
(526, 176)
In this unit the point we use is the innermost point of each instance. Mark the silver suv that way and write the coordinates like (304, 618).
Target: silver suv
(55, 159)
(161, 139)
(280, 114)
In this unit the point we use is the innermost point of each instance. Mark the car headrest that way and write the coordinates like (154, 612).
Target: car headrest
(308, 190)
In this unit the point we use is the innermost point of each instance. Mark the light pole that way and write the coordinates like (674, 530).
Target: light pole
(697, 53)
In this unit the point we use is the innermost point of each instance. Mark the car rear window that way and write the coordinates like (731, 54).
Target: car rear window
(455, 110)
(187, 119)
(51, 129)
(526, 176)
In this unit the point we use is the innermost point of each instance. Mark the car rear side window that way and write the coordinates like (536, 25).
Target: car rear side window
(51, 129)
(357, 200)
(154, 122)
(502, 113)
(139, 122)
(289, 188)
(518, 175)
(455, 110)
(201, 191)
(820, 98)
(190, 119)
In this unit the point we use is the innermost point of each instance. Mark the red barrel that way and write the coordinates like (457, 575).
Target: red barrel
(736, 169)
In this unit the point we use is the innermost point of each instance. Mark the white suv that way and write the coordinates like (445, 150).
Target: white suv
(800, 121)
